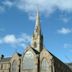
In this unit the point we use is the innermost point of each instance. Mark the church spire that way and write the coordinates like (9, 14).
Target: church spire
(37, 38)
(37, 25)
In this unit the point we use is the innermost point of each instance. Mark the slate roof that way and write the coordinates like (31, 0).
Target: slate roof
(70, 65)
(5, 59)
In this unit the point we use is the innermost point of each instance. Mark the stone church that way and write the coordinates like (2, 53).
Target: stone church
(35, 58)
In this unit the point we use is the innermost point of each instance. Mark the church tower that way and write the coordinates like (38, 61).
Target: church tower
(37, 38)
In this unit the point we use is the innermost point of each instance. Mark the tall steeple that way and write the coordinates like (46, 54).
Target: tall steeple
(37, 38)
(37, 25)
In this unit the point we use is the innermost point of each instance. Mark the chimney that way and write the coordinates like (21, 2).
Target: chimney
(1, 57)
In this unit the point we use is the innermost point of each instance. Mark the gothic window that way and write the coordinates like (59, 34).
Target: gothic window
(14, 66)
(28, 62)
(44, 66)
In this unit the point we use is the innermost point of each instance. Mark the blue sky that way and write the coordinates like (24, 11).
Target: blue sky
(17, 21)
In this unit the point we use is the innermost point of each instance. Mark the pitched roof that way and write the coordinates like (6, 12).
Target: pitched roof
(60, 61)
(35, 51)
(70, 65)
(5, 59)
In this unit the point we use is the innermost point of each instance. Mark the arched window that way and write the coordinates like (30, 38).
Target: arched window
(28, 62)
(14, 66)
(44, 66)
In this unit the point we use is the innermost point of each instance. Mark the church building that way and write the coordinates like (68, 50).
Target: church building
(35, 58)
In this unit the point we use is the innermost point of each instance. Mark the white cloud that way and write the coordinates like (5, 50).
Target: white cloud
(45, 6)
(6, 4)
(64, 31)
(66, 45)
(24, 38)
(12, 40)
(31, 5)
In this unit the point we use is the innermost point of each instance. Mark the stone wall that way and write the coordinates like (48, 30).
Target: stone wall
(5, 67)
